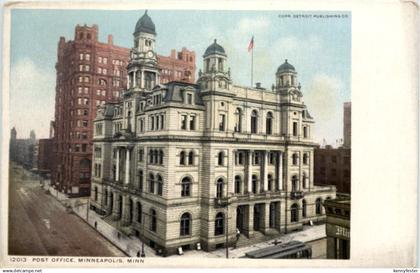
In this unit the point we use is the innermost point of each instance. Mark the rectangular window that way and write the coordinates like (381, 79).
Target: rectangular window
(305, 132)
(152, 123)
(162, 121)
(222, 122)
(98, 152)
(98, 129)
(189, 98)
(84, 147)
(142, 125)
(85, 123)
(81, 56)
(295, 131)
(192, 123)
(87, 56)
(183, 122)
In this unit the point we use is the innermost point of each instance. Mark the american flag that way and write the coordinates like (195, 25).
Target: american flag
(251, 44)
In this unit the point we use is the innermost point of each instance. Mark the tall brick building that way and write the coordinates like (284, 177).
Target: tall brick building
(91, 73)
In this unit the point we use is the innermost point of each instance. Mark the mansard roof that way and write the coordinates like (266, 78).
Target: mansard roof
(175, 91)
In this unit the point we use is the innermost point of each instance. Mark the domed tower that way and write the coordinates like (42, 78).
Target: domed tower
(215, 74)
(143, 70)
(286, 76)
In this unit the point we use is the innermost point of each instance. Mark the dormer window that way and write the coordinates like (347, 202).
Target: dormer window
(189, 98)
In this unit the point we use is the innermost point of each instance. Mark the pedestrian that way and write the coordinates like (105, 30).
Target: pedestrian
(238, 234)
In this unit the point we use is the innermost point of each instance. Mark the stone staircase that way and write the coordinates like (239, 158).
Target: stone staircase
(258, 237)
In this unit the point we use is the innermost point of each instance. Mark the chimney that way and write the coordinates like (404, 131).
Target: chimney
(110, 39)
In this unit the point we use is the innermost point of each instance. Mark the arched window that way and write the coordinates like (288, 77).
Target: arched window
(182, 158)
(186, 186)
(294, 183)
(238, 183)
(185, 224)
(303, 208)
(148, 79)
(318, 206)
(238, 120)
(141, 180)
(191, 158)
(269, 123)
(254, 183)
(220, 158)
(270, 182)
(294, 159)
(305, 158)
(159, 184)
(139, 212)
(254, 122)
(160, 157)
(219, 224)
(304, 178)
(153, 220)
(294, 213)
(219, 188)
(151, 183)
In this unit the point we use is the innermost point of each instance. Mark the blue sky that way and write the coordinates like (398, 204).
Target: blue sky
(319, 48)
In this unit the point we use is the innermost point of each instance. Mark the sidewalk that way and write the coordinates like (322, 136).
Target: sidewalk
(306, 235)
(131, 245)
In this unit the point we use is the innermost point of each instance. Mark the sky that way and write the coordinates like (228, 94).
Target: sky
(318, 47)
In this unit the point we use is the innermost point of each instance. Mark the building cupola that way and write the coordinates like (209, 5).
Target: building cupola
(286, 75)
(145, 24)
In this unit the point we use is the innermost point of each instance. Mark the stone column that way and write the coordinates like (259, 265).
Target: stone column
(115, 210)
(134, 78)
(231, 173)
(117, 171)
(127, 167)
(264, 172)
(249, 177)
(249, 221)
(128, 81)
(280, 169)
(125, 217)
(266, 220)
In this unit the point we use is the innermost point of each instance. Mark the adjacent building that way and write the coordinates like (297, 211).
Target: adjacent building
(333, 165)
(91, 73)
(338, 228)
(45, 155)
(347, 125)
(23, 151)
(181, 164)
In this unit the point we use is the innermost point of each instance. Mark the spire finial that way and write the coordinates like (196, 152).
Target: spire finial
(215, 40)
(286, 60)
(145, 12)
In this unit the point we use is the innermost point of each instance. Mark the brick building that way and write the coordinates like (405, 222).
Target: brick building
(347, 124)
(91, 73)
(45, 155)
(179, 66)
(333, 165)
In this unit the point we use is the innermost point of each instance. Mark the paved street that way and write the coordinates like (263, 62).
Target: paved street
(40, 225)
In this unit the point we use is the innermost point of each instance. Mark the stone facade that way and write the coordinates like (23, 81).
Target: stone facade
(179, 164)
(91, 73)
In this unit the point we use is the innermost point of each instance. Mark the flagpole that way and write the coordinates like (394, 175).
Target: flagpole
(252, 67)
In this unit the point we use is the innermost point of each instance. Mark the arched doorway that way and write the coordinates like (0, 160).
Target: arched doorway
(240, 218)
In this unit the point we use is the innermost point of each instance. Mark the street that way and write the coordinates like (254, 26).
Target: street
(40, 225)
